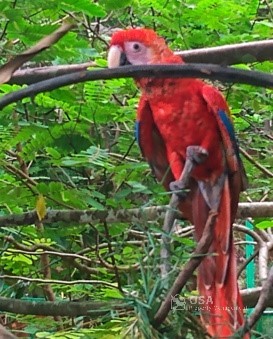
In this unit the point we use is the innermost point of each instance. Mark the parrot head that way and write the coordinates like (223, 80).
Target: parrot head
(139, 46)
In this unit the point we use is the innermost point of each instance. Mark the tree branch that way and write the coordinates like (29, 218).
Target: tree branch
(55, 281)
(61, 308)
(250, 298)
(5, 334)
(30, 76)
(256, 164)
(95, 309)
(256, 51)
(245, 210)
(8, 69)
(207, 71)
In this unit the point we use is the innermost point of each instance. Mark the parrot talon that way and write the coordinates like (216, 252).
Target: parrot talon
(178, 187)
(196, 154)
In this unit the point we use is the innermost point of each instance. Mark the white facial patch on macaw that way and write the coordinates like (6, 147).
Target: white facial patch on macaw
(137, 53)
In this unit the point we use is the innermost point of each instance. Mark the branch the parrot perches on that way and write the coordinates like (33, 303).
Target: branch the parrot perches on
(184, 126)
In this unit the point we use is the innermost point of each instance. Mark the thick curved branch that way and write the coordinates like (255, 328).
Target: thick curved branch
(7, 70)
(250, 232)
(257, 51)
(206, 71)
(245, 210)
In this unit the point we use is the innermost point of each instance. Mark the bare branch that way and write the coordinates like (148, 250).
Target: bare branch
(5, 334)
(61, 308)
(256, 51)
(263, 261)
(30, 76)
(252, 233)
(7, 70)
(251, 296)
(60, 282)
(255, 210)
(207, 71)
(256, 164)
(263, 251)
(242, 267)
(95, 309)
(245, 210)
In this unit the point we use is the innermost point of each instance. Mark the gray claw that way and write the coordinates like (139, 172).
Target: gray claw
(179, 188)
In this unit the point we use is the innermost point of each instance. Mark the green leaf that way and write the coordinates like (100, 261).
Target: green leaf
(264, 224)
(112, 4)
(84, 6)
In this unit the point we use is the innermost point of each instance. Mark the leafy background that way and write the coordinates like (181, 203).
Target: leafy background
(74, 148)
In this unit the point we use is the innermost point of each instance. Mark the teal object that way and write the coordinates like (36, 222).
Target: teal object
(250, 269)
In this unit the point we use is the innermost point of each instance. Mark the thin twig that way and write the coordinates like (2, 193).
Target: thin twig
(68, 257)
(59, 282)
(247, 261)
(253, 234)
(255, 163)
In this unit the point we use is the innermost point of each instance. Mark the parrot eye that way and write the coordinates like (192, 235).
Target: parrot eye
(136, 47)
(137, 53)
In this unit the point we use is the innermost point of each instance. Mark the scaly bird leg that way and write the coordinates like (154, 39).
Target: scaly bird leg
(195, 155)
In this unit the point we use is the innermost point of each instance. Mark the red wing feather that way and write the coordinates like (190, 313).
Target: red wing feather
(154, 151)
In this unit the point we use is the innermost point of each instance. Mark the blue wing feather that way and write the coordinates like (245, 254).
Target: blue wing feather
(137, 132)
(230, 129)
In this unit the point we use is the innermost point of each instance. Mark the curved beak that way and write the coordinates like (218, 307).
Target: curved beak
(116, 57)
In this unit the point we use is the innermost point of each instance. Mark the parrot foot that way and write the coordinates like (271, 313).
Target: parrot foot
(195, 155)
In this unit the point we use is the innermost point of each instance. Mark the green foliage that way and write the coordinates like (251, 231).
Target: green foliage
(75, 146)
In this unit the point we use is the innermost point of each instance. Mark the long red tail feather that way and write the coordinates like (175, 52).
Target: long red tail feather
(222, 312)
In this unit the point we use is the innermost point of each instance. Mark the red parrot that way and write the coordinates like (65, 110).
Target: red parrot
(185, 132)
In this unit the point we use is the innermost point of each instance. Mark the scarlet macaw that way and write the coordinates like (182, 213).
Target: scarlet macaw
(184, 125)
